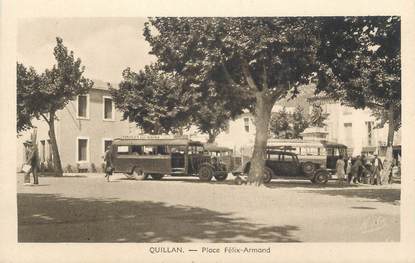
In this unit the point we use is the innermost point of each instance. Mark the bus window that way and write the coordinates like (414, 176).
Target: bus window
(311, 151)
(162, 150)
(136, 149)
(149, 150)
(273, 156)
(122, 149)
(177, 149)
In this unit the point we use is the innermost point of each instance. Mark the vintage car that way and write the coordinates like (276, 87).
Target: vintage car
(282, 164)
(140, 157)
(221, 154)
(313, 155)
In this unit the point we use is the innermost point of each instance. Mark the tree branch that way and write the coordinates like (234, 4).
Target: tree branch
(248, 76)
(228, 75)
(44, 117)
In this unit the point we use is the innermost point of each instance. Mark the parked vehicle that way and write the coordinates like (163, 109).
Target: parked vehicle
(313, 155)
(282, 164)
(140, 157)
(221, 154)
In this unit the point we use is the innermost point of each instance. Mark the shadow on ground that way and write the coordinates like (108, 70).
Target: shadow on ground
(288, 183)
(391, 196)
(52, 218)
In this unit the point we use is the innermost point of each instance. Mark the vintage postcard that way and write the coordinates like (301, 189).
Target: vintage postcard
(207, 131)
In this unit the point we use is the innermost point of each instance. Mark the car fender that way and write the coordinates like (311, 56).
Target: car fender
(321, 170)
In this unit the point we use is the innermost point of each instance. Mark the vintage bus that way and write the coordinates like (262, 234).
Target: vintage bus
(224, 155)
(312, 154)
(154, 156)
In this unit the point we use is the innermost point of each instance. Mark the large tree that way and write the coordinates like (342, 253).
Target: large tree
(154, 99)
(45, 94)
(361, 66)
(261, 58)
(27, 81)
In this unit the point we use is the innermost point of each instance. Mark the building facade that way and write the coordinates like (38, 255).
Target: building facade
(83, 130)
(356, 128)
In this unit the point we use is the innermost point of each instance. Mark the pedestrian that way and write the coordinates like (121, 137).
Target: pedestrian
(377, 168)
(394, 170)
(340, 170)
(349, 169)
(356, 167)
(32, 160)
(108, 163)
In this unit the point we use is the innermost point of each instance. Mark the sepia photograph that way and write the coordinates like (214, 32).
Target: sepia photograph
(209, 135)
(198, 129)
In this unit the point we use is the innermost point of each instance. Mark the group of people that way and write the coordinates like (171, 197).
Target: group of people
(361, 169)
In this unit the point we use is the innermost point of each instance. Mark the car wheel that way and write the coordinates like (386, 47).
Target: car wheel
(157, 176)
(309, 168)
(221, 176)
(206, 173)
(267, 175)
(321, 178)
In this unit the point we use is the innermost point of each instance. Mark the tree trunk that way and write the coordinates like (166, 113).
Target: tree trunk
(55, 152)
(263, 107)
(387, 165)
(212, 136)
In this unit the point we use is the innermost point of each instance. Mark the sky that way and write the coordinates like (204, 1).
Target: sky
(106, 46)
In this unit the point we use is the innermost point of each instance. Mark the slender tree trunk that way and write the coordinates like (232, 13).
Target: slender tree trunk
(212, 136)
(263, 109)
(387, 167)
(55, 151)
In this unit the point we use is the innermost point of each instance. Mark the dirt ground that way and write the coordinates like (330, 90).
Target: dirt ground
(86, 208)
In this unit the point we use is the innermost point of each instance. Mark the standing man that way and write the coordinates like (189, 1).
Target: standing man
(108, 163)
(377, 168)
(356, 169)
(340, 170)
(32, 159)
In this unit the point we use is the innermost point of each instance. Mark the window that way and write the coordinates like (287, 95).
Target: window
(246, 124)
(82, 150)
(348, 136)
(108, 108)
(106, 143)
(122, 149)
(50, 156)
(313, 151)
(369, 126)
(43, 151)
(82, 106)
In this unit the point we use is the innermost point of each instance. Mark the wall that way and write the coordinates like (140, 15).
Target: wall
(69, 128)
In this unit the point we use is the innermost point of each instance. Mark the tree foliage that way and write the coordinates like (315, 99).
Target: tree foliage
(360, 63)
(27, 80)
(261, 59)
(280, 124)
(43, 95)
(153, 99)
(299, 122)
